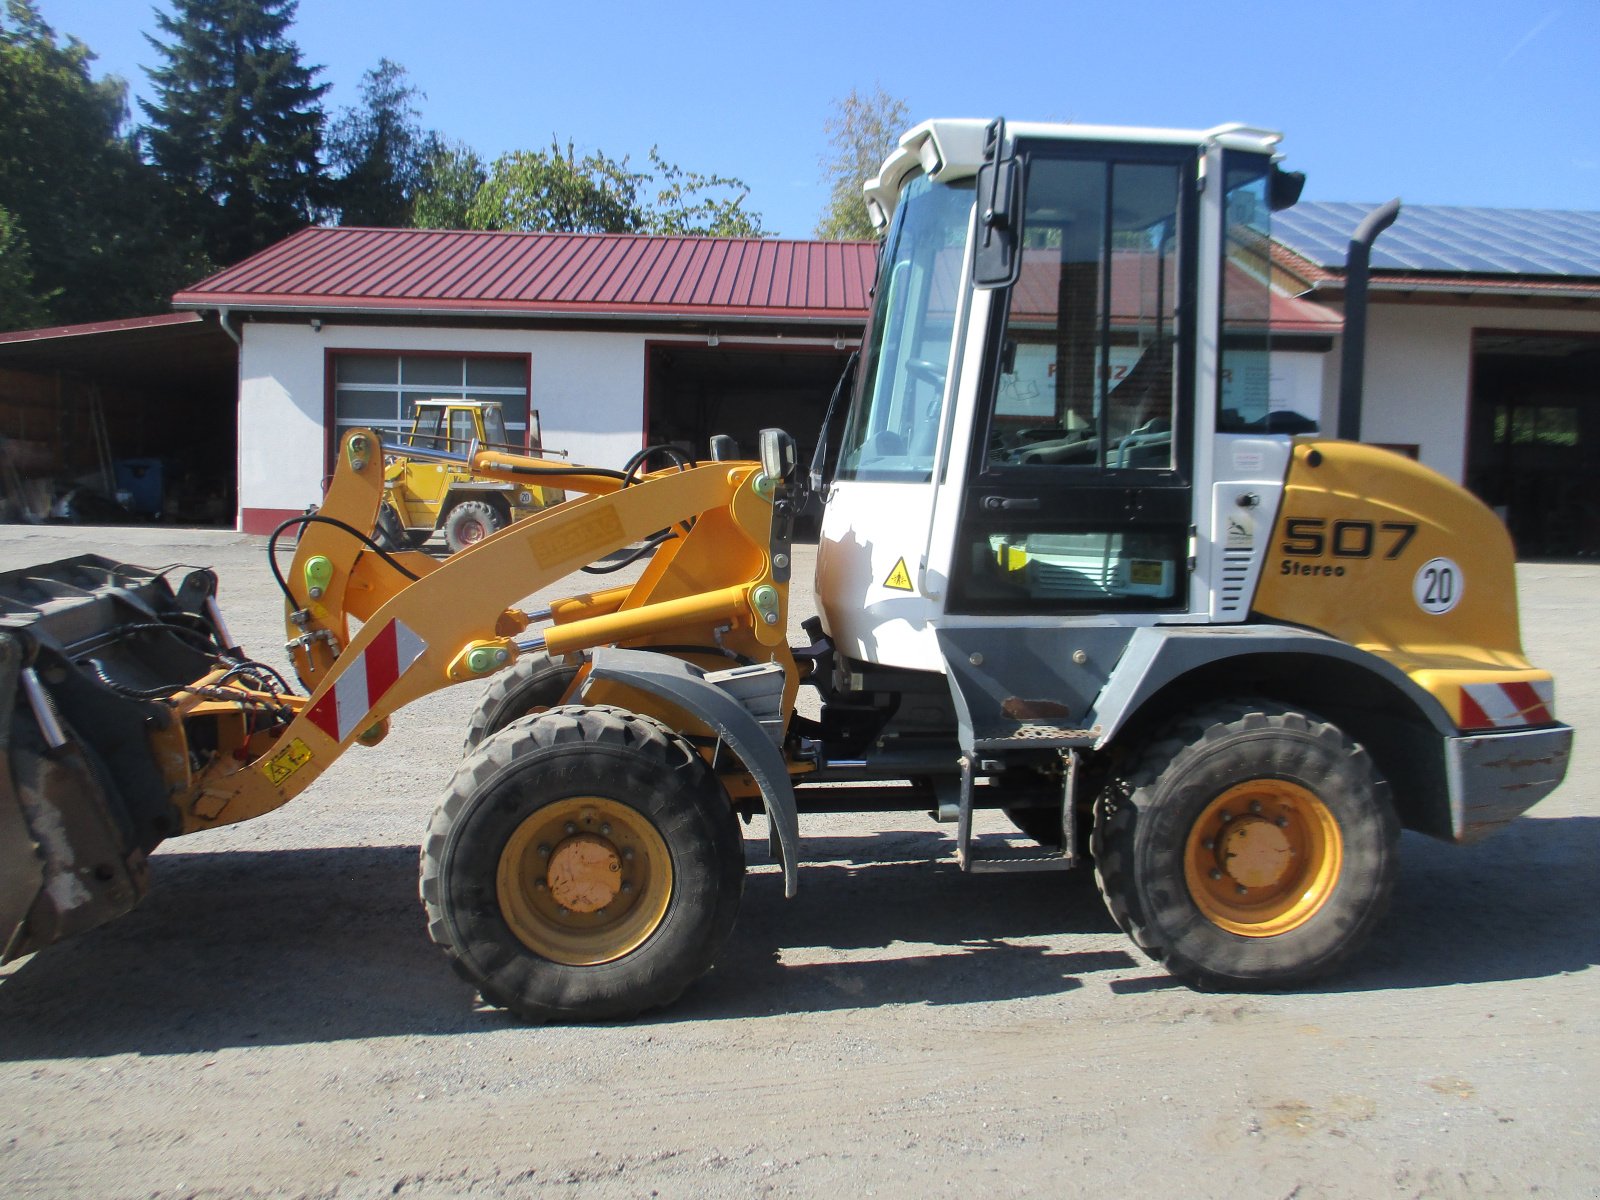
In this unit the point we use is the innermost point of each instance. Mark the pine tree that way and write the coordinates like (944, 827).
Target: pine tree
(381, 151)
(237, 122)
(87, 231)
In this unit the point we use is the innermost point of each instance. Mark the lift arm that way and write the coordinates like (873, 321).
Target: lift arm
(426, 625)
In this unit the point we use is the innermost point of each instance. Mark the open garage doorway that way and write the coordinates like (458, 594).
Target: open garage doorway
(694, 392)
(1533, 449)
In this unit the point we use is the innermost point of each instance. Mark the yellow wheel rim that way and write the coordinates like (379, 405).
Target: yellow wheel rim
(584, 881)
(1263, 858)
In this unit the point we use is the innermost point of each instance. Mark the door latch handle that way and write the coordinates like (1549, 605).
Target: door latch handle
(1010, 504)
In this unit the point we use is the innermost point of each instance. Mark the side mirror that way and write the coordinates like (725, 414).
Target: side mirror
(1284, 188)
(995, 259)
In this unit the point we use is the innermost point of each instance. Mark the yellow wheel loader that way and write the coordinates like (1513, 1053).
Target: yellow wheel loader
(1078, 563)
(435, 491)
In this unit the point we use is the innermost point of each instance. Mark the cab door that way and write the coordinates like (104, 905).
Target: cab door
(1079, 494)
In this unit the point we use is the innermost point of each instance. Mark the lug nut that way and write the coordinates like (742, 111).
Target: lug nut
(571, 828)
(1226, 817)
(605, 830)
(1216, 874)
(1283, 822)
(1241, 889)
(1210, 844)
(627, 885)
(544, 851)
(627, 855)
(1255, 806)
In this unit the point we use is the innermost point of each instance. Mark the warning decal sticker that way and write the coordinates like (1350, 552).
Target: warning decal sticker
(899, 578)
(286, 762)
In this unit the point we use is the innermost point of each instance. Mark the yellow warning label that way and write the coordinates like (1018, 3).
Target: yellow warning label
(899, 578)
(286, 762)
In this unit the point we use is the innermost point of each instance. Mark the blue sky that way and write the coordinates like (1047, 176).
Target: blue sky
(1438, 101)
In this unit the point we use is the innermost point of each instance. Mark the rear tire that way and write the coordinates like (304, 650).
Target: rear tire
(1250, 847)
(1043, 825)
(469, 522)
(531, 684)
(390, 532)
(585, 865)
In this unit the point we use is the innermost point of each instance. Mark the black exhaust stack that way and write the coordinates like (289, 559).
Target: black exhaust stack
(1353, 362)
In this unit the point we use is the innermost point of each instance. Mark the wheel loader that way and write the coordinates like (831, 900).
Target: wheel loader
(427, 494)
(1078, 564)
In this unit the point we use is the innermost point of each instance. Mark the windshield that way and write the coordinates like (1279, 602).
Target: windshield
(894, 422)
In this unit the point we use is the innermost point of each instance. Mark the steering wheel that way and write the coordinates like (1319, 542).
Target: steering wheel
(929, 372)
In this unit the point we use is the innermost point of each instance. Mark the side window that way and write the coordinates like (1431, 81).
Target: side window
(1086, 375)
(462, 430)
(430, 429)
(1080, 501)
(1247, 400)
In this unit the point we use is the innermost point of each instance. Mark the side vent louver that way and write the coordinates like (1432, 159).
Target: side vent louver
(1231, 598)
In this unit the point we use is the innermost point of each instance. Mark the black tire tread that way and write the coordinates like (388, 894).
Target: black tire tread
(600, 727)
(533, 683)
(1117, 808)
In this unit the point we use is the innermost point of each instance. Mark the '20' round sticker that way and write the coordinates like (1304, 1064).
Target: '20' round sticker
(1438, 585)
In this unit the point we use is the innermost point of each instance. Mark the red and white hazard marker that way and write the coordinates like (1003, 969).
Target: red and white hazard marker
(343, 710)
(1507, 705)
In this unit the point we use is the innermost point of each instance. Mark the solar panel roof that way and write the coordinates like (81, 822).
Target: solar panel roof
(1439, 238)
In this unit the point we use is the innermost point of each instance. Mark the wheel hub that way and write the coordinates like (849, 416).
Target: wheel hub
(1263, 857)
(584, 880)
(585, 873)
(1256, 853)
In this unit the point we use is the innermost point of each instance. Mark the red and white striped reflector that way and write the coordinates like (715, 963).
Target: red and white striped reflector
(1505, 705)
(375, 670)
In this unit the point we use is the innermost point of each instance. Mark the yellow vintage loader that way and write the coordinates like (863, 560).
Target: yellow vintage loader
(1077, 564)
(435, 491)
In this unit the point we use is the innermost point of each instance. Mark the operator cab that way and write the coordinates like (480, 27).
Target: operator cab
(1067, 355)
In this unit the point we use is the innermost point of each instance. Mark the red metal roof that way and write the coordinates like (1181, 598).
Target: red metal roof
(126, 325)
(548, 273)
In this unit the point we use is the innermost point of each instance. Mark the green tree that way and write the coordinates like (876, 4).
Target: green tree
(21, 305)
(237, 122)
(88, 223)
(863, 130)
(451, 179)
(380, 150)
(690, 203)
(556, 191)
(537, 191)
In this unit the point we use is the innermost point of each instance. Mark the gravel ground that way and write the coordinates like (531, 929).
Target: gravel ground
(272, 1020)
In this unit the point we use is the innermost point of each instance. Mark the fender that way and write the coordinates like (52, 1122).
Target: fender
(685, 685)
(1157, 655)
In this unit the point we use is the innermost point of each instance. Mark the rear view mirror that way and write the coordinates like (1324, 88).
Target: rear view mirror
(994, 259)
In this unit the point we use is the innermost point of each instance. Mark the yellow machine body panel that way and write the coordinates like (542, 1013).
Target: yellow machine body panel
(1386, 554)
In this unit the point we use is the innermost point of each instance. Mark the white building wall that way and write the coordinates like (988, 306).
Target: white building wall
(1419, 373)
(588, 388)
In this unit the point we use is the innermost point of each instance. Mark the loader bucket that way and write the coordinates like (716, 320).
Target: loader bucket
(89, 649)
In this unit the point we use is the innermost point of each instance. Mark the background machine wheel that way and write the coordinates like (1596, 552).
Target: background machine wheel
(469, 522)
(531, 684)
(585, 865)
(1251, 847)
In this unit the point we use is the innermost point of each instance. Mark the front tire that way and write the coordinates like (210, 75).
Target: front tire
(532, 684)
(585, 865)
(1250, 847)
(469, 522)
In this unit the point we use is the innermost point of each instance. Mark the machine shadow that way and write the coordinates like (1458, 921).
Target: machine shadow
(1523, 904)
(246, 948)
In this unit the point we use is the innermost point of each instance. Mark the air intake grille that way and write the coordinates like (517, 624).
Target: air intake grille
(1231, 597)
